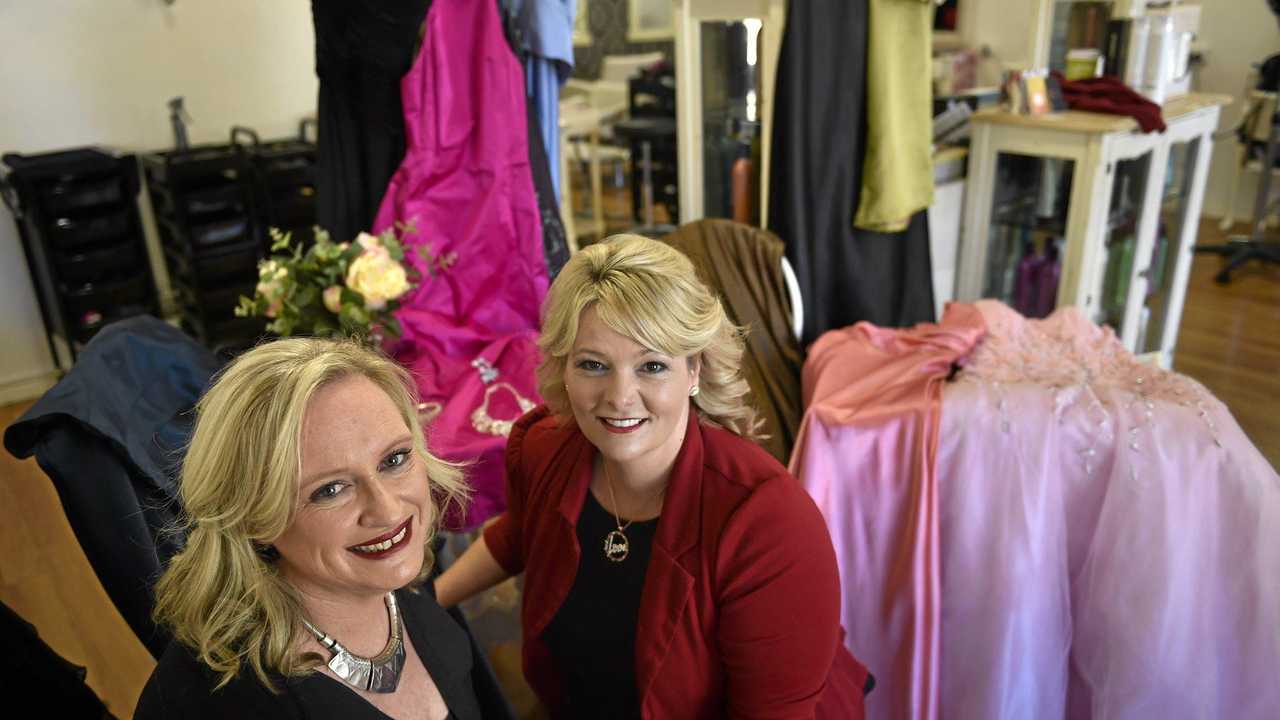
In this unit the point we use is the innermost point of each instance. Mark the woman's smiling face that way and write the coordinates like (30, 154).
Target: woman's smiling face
(364, 498)
(630, 401)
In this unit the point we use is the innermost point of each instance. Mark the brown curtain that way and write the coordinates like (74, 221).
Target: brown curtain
(744, 265)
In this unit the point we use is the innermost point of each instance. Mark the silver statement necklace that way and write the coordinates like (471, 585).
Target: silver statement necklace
(379, 674)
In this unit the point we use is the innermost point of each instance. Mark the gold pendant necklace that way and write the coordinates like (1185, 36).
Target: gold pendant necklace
(616, 545)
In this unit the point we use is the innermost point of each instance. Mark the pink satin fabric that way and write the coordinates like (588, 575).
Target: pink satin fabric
(865, 453)
(466, 186)
(1101, 542)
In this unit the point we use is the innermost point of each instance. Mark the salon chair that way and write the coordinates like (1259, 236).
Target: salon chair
(1240, 249)
(746, 268)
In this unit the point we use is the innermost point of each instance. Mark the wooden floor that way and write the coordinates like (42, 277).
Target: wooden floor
(1229, 340)
(45, 578)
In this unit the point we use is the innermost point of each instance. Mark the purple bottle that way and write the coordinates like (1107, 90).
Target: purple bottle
(1024, 288)
(1047, 275)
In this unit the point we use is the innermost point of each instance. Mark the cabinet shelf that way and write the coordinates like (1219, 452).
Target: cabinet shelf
(1088, 214)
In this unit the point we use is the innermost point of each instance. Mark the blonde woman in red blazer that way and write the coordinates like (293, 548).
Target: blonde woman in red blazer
(673, 569)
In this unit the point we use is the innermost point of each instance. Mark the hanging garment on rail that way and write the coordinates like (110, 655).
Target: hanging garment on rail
(466, 186)
(363, 49)
(845, 275)
(546, 34)
(897, 177)
(532, 29)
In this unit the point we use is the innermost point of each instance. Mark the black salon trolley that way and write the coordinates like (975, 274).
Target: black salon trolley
(81, 233)
(213, 206)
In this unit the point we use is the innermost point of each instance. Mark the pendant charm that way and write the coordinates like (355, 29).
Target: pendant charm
(616, 547)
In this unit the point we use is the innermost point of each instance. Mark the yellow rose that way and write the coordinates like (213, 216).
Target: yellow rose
(378, 278)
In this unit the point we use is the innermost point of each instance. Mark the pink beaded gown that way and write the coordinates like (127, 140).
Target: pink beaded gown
(1058, 531)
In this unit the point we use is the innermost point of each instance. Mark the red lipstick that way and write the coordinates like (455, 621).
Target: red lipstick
(406, 527)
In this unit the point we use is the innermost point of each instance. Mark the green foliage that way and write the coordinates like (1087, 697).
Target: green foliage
(294, 282)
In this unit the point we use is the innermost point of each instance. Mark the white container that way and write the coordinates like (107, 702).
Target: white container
(1157, 68)
(1137, 62)
(1172, 31)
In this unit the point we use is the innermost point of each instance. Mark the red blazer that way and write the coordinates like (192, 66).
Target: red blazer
(740, 613)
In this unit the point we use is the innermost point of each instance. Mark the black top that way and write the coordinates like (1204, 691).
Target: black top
(182, 686)
(592, 637)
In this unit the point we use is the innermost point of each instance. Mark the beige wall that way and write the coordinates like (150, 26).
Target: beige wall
(80, 72)
(1234, 33)
(1004, 29)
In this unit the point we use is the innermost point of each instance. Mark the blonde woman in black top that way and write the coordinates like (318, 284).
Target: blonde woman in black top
(311, 502)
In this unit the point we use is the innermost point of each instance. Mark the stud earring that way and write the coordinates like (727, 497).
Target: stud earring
(267, 552)
(693, 391)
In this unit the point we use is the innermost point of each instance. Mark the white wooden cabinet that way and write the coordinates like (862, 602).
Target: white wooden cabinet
(1117, 207)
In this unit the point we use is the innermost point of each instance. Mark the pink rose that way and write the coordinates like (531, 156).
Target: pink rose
(371, 244)
(333, 298)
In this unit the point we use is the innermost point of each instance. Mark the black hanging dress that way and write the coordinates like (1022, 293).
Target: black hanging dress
(362, 51)
(845, 275)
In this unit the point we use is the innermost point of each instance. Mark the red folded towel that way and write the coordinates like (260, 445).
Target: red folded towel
(1110, 95)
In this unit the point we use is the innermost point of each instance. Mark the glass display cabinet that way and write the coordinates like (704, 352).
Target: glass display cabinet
(1083, 209)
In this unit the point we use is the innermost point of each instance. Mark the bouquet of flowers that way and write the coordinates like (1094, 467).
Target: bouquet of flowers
(335, 289)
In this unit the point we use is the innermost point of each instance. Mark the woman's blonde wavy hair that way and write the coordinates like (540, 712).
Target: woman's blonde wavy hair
(223, 596)
(648, 291)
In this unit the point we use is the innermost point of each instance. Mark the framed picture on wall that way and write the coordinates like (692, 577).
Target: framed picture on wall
(581, 28)
(650, 20)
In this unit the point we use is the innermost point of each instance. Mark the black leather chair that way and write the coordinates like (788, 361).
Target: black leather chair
(1262, 121)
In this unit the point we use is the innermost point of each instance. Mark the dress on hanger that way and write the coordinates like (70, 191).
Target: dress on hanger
(541, 35)
(546, 34)
(470, 330)
(362, 52)
(555, 243)
(897, 181)
(845, 275)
